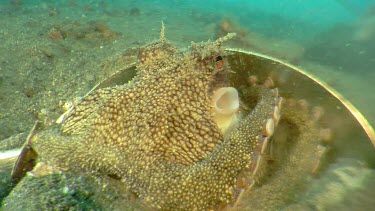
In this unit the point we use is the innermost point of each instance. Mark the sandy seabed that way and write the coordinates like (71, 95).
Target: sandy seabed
(53, 53)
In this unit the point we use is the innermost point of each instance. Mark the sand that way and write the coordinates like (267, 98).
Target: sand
(51, 54)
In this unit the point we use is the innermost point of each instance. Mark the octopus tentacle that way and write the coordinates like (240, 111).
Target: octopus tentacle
(218, 173)
(218, 180)
(295, 144)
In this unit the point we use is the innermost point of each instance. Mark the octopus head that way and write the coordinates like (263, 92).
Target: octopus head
(212, 62)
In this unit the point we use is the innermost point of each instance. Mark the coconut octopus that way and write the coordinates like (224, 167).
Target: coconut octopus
(175, 137)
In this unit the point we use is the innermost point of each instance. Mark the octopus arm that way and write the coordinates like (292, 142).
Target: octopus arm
(79, 119)
(209, 183)
(212, 182)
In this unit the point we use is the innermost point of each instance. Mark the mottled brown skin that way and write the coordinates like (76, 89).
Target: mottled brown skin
(157, 134)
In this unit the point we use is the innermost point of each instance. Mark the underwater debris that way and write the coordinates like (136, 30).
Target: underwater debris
(91, 31)
(134, 11)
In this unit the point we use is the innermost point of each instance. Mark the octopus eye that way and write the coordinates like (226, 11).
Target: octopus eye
(218, 61)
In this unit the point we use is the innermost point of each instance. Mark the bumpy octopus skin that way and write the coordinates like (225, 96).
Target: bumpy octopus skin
(158, 135)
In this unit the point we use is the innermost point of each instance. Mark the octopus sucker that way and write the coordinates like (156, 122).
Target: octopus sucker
(264, 143)
(276, 114)
(269, 127)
